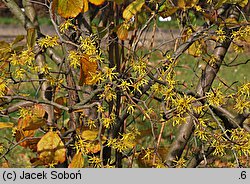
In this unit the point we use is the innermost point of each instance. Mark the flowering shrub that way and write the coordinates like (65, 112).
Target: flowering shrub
(104, 93)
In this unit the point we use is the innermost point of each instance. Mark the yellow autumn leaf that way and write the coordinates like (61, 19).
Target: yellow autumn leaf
(191, 3)
(167, 9)
(33, 121)
(5, 164)
(51, 148)
(197, 48)
(241, 3)
(89, 135)
(21, 133)
(132, 9)
(86, 70)
(94, 148)
(85, 6)
(122, 32)
(77, 161)
(38, 111)
(31, 37)
(69, 8)
(6, 125)
(185, 4)
(181, 3)
(231, 22)
(97, 2)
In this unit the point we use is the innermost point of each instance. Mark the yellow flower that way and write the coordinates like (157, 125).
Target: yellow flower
(159, 164)
(112, 142)
(1, 149)
(183, 104)
(212, 60)
(14, 59)
(109, 73)
(96, 77)
(108, 94)
(52, 165)
(244, 90)
(241, 105)
(66, 25)
(91, 123)
(138, 84)
(48, 41)
(178, 120)
(148, 154)
(3, 86)
(131, 109)
(13, 131)
(125, 85)
(88, 46)
(74, 58)
(215, 97)
(201, 134)
(95, 161)
(198, 8)
(180, 163)
(100, 109)
(108, 121)
(26, 57)
(219, 148)
(238, 49)
(127, 141)
(220, 35)
(23, 112)
(139, 66)
(19, 73)
(45, 69)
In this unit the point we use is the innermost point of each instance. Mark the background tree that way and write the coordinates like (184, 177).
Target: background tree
(104, 93)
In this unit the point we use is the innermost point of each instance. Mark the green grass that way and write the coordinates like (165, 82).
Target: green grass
(238, 73)
(14, 21)
(189, 70)
(8, 20)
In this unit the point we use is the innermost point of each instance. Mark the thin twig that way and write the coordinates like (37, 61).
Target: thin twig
(158, 141)
(219, 124)
(57, 31)
(37, 2)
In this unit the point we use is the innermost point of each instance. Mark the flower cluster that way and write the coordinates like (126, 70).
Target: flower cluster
(242, 141)
(48, 41)
(66, 25)
(221, 35)
(139, 66)
(108, 122)
(90, 47)
(242, 98)
(125, 142)
(74, 58)
(26, 57)
(240, 36)
(201, 130)
(108, 94)
(215, 97)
